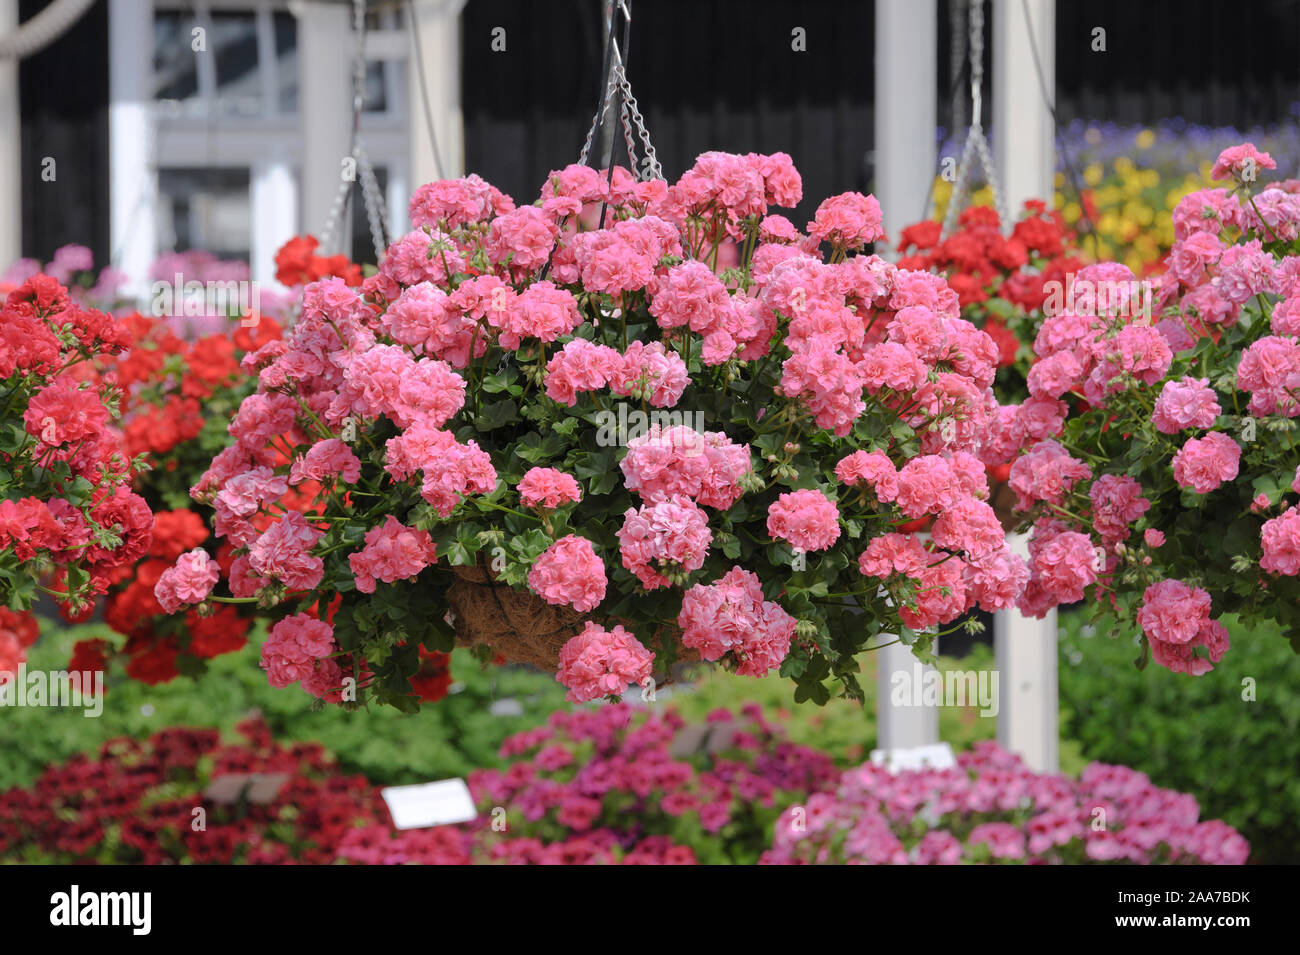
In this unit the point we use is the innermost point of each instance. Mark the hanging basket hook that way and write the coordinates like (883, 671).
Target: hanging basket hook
(977, 144)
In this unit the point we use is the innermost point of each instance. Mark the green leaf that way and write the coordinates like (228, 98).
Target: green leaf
(496, 415)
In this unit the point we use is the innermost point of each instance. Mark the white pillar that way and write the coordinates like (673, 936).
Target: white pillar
(437, 26)
(905, 58)
(273, 197)
(11, 177)
(1024, 134)
(133, 182)
(399, 198)
(902, 727)
(1026, 660)
(325, 51)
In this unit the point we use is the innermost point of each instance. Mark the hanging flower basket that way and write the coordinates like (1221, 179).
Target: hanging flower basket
(1161, 472)
(692, 430)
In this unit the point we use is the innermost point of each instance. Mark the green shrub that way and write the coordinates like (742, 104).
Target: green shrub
(459, 734)
(843, 729)
(1237, 756)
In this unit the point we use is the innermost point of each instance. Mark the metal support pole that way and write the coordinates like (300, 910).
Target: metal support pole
(906, 79)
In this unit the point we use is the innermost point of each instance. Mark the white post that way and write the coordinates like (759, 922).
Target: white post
(399, 198)
(133, 183)
(11, 177)
(325, 52)
(1023, 131)
(905, 162)
(907, 726)
(273, 197)
(1026, 660)
(437, 29)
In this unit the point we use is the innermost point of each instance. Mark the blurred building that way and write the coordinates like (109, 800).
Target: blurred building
(223, 124)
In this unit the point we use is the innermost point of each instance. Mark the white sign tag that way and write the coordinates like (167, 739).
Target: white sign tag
(429, 804)
(933, 756)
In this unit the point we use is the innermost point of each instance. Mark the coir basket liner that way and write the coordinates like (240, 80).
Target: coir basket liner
(523, 627)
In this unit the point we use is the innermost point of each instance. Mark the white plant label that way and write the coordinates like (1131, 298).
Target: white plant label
(423, 805)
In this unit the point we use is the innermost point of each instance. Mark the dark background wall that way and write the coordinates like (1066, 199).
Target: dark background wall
(720, 74)
(709, 74)
(64, 95)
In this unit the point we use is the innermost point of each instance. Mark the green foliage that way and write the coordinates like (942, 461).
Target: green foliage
(844, 729)
(1238, 757)
(449, 738)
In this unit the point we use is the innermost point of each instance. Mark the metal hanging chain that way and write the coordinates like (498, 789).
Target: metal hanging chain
(616, 84)
(634, 122)
(607, 87)
(977, 145)
(372, 197)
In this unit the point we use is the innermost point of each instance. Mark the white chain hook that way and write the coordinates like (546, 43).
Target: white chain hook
(633, 124)
(376, 209)
(977, 146)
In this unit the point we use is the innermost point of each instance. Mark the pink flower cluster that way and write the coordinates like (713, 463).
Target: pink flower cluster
(1186, 403)
(1214, 295)
(1280, 539)
(547, 489)
(581, 366)
(703, 466)
(598, 663)
(1241, 162)
(691, 296)
(569, 573)
(847, 221)
(1176, 620)
(991, 808)
(806, 519)
(607, 289)
(1062, 564)
(1269, 372)
(652, 373)
(450, 469)
(870, 469)
(864, 326)
(730, 618)
(1047, 473)
(1204, 463)
(392, 552)
(298, 650)
(588, 785)
(669, 536)
(188, 582)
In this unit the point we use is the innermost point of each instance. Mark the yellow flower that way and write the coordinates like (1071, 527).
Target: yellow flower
(1092, 174)
(1145, 139)
(1072, 212)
